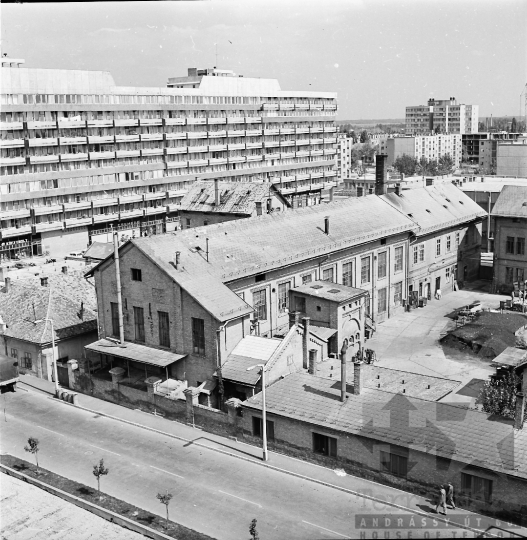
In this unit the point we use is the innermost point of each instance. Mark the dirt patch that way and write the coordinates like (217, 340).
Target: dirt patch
(118, 506)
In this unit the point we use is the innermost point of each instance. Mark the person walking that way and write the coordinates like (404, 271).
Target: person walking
(442, 500)
(450, 495)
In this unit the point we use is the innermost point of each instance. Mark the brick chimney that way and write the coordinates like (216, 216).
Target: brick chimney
(357, 378)
(312, 369)
(519, 413)
(343, 355)
(294, 318)
(381, 174)
(7, 285)
(216, 192)
(326, 225)
(44, 281)
(64, 269)
(305, 342)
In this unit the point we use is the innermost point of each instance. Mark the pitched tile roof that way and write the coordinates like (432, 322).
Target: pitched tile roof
(235, 197)
(512, 202)
(60, 301)
(435, 207)
(449, 431)
(330, 291)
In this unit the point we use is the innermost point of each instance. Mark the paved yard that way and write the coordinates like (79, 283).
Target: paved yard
(29, 512)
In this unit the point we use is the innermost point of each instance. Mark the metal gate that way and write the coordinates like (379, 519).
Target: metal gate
(64, 380)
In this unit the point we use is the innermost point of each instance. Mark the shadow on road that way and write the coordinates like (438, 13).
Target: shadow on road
(225, 446)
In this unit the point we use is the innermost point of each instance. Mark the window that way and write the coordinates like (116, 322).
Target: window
(136, 274)
(447, 273)
(509, 245)
(322, 444)
(307, 279)
(457, 240)
(438, 247)
(519, 274)
(115, 318)
(508, 274)
(259, 278)
(258, 428)
(300, 304)
(26, 361)
(476, 487)
(14, 353)
(347, 276)
(381, 300)
(398, 264)
(448, 243)
(365, 270)
(258, 208)
(381, 265)
(421, 253)
(416, 251)
(260, 304)
(327, 274)
(398, 293)
(139, 323)
(187, 223)
(520, 246)
(394, 463)
(283, 296)
(164, 329)
(198, 336)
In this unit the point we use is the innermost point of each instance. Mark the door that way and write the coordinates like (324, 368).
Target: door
(64, 380)
(420, 289)
(438, 283)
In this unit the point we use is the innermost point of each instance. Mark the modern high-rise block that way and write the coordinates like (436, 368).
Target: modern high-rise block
(444, 116)
(82, 157)
(430, 147)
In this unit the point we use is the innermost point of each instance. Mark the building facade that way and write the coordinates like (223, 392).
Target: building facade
(81, 157)
(511, 158)
(429, 147)
(344, 144)
(445, 115)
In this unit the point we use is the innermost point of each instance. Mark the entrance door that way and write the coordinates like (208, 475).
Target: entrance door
(420, 289)
(64, 380)
(438, 283)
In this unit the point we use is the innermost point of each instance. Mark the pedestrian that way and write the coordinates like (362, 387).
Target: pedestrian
(438, 294)
(442, 500)
(450, 495)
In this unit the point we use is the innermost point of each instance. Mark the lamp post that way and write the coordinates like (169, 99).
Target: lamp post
(264, 412)
(54, 362)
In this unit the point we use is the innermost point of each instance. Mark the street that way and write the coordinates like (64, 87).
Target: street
(213, 493)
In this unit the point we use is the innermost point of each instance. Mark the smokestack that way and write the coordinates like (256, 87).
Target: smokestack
(343, 352)
(44, 281)
(294, 318)
(64, 269)
(7, 286)
(177, 259)
(312, 369)
(326, 224)
(357, 378)
(216, 192)
(305, 341)
(381, 174)
(520, 411)
(398, 189)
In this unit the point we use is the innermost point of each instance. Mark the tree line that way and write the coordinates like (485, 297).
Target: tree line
(410, 166)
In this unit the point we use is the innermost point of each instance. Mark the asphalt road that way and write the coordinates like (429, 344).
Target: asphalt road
(213, 493)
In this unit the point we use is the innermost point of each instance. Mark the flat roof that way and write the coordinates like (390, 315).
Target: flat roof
(511, 356)
(329, 291)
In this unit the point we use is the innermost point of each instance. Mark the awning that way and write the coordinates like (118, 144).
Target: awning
(135, 352)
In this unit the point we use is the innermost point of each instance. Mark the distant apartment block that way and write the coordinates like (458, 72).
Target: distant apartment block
(344, 145)
(81, 157)
(480, 148)
(430, 147)
(446, 115)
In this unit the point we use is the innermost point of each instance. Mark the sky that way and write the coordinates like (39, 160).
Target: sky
(379, 56)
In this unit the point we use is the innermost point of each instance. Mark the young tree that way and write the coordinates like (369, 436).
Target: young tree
(100, 470)
(364, 137)
(252, 531)
(405, 164)
(514, 125)
(437, 130)
(165, 499)
(445, 164)
(32, 448)
(498, 396)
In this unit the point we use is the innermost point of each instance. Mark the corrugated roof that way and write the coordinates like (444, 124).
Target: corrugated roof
(27, 300)
(234, 197)
(438, 428)
(435, 207)
(512, 202)
(330, 291)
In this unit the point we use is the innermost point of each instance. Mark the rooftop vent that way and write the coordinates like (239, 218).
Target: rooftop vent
(316, 287)
(334, 291)
(428, 211)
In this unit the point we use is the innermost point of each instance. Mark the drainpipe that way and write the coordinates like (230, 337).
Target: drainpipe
(118, 280)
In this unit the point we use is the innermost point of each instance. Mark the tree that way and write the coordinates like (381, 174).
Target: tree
(165, 499)
(364, 137)
(32, 448)
(437, 130)
(498, 396)
(405, 164)
(446, 164)
(100, 470)
(252, 531)
(514, 125)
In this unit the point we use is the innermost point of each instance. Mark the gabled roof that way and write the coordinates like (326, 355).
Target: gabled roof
(234, 197)
(512, 202)
(99, 251)
(449, 431)
(435, 207)
(27, 300)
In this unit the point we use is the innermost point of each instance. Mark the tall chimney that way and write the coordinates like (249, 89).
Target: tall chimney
(326, 224)
(44, 281)
(520, 411)
(381, 174)
(64, 269)
(312, 369)
(357, 378)
(82, 311)
(343, 354)
(398, 189)
(216, 192)
(7, 284)
(176, 259)
(294, 318)
(305, 341)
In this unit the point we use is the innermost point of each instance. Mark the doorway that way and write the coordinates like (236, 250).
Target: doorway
(438, 283)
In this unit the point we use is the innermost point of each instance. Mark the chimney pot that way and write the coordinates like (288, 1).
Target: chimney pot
(326, 224)
(357, 378)
(177, 259)
(7, 284)
(312, 361)
(64, 269)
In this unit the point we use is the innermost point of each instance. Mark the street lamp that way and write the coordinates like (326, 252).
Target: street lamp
(54, 362)
(264, 412)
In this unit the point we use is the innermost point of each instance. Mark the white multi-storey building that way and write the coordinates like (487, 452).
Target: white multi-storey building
(81, 157)
(445, 116)
(430, 147)
(344, 144)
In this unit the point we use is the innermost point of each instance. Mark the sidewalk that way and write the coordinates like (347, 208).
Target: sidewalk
(384, 495)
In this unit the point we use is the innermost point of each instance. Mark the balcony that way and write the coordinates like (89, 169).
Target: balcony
(101, 155)
(15, 214)
(126, 122)
(72, 140)
(236, 120)
(150, 121)
(316, 141)
(271, 144)
(177, 164)
(302, 153)
(78, 222)
(254, 145)
(287, 106)
(196, 121)
(302, 130)
(129, 214)
(330, 174)
(175, 121)
(316, 129)
(197, 149)
(101, 218)
(253, 119)
(274, 131)
(302, 142)
(330, 106)
(270, 106)
(100, 139)
(217, 147)
(197, 134)
(100, 123)
(287, 131)
(317, 152)
(287, 143)
(217, 161)
(237, 159)
(176, 150)
(275, 155)
(330, 152)
(127, 153)
(236, 133)
(331, 129)
(44, 227)
(198, 162)
(211, 121)
(301, 106)
(52, 141)
(129, 199)
(285, 155)
(152, 136)
(155, 195)
(253, 132)
(79, 156)
(330, 140)
(215, 134)
(172, 136)
(238, 146)
(152, 151)
(8, 232)
(255, 157)
(47, 124)
(157, 210)
(109, 201)
(11, 143)
(11, 125)
(44, 159)
(126, 138)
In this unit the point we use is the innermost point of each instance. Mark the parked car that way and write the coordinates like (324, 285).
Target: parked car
(77, 253)
(51, 260)
(32, 264)
(20, 264)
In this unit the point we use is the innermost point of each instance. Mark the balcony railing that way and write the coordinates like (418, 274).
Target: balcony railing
(212, 121)
(253, 132)
(171, 136)
(11, 125)
(152, 151)
(126, 122)
(152, 136)
(101, 155)
(198, 162)
(44, 159)
(217, 161)
(80, 156)
(72, 140)
(196, 121)
(214, 134)
(236, 133)
(150, 121)
(43, 227)
(47, 124)
(15, 214)
(176, 150)
(198, 149)
(99, 139)
(175, 121)
(236, 120)
(100, 123)
(253, 119)
(127, 138)
(197, 134)
(51, 141)
(217, 147)
(127, 153)
(8, 232)
(12, 143)
(237, 146)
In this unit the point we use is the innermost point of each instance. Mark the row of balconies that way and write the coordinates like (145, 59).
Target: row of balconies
(281, 106)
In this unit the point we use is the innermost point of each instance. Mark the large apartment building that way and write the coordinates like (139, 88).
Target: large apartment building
(430, 147)
(446, 115)
(81, 157)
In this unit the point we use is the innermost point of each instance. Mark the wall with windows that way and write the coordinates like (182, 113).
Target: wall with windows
(510, 260)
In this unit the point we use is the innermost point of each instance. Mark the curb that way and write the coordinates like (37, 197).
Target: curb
(291, 473)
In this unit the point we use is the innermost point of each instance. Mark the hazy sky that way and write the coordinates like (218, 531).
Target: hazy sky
(378, 55)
